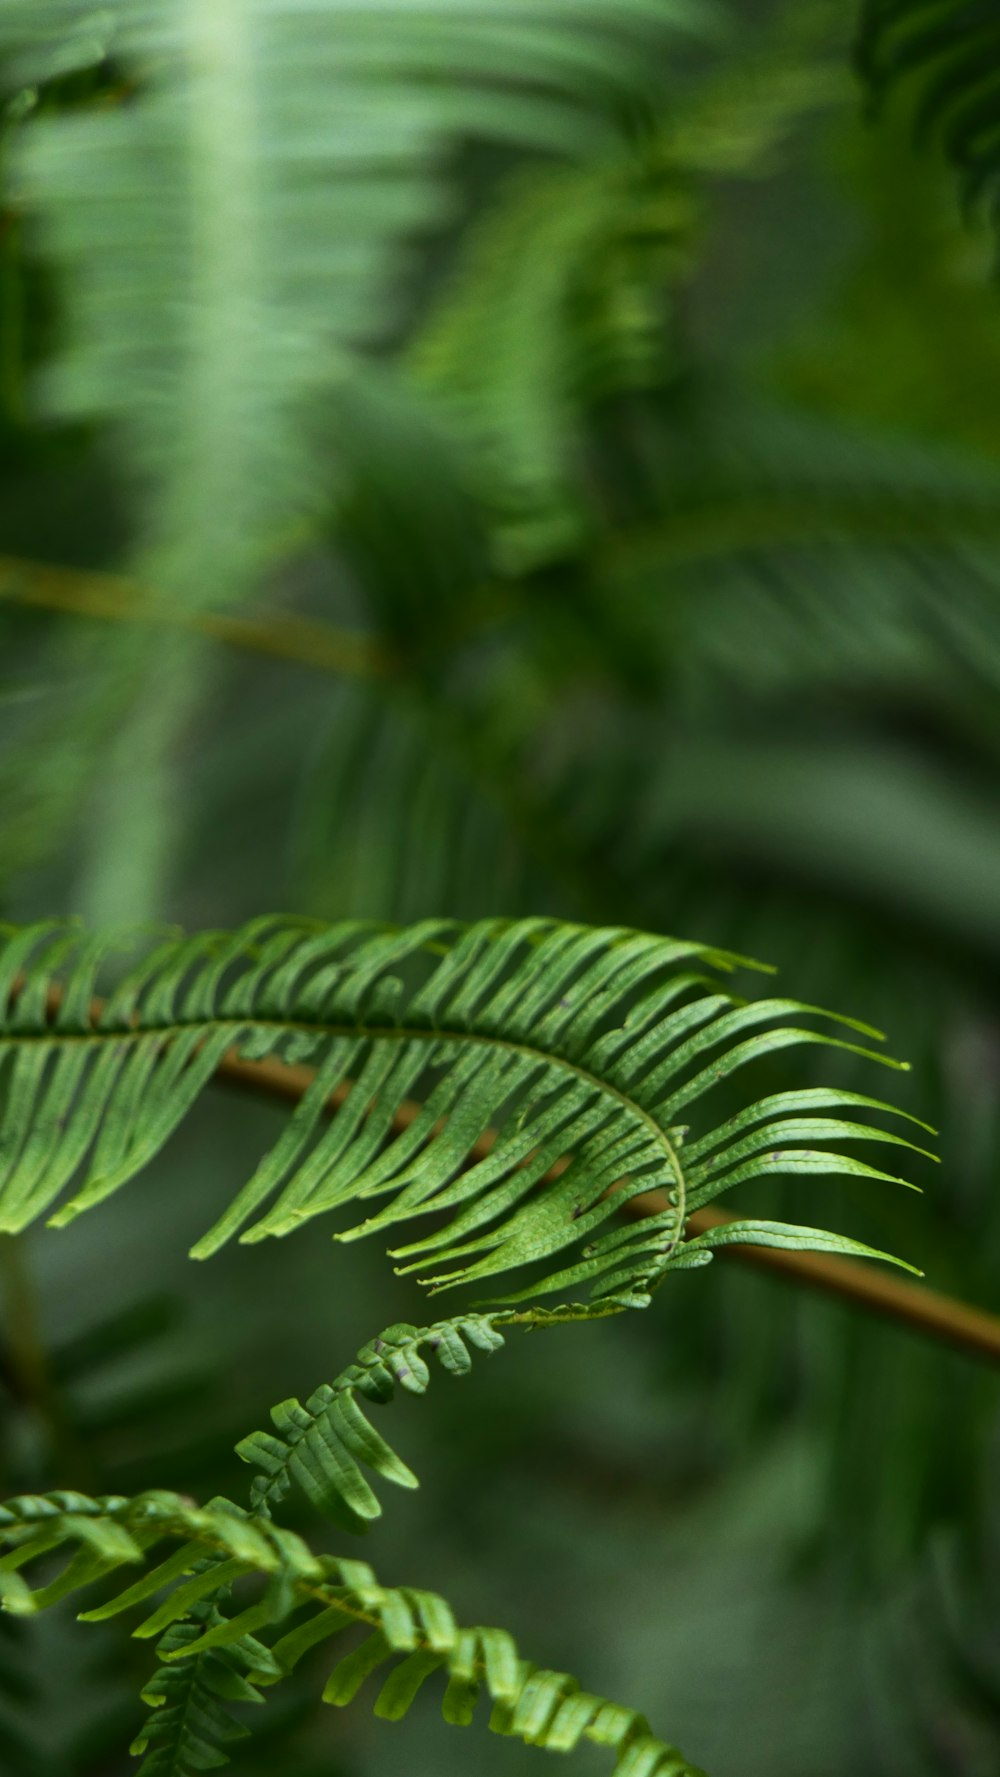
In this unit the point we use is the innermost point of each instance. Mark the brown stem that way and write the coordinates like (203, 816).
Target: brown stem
(284, 637)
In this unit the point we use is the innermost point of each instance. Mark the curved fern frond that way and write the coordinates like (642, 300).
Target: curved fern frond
(948, 51)
(310, 1599)
(552, 1063)
(577, 1049)
(327, 1445)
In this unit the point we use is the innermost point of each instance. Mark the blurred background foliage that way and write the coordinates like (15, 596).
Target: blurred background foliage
(455, 463)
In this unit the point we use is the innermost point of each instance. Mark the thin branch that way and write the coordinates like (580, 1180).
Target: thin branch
(107, 597)
(973, 1330)
(926, 1311)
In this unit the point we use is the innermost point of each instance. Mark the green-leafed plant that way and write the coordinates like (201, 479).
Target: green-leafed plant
(552, 1065)
(410, 516)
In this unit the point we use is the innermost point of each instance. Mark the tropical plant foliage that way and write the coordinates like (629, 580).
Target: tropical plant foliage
(580, 1047)
(211, 1659)
(506, 483)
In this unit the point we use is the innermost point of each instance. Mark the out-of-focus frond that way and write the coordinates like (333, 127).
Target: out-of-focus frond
(932, 1667)
(294, 151)
(563, 292)
(391, 821)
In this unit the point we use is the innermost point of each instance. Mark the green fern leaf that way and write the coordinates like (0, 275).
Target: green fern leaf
(209, 1660)
(574, 1050)
(324, 1444)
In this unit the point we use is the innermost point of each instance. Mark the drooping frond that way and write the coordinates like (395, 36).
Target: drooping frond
(306, 1600)
(190, 1727)
(553, 1064)
(948, 53)
(327, 1444)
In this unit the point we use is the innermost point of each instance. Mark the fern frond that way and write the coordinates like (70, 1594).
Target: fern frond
(296, 152)
(393, 820)
(948, 53)
(569, 271)
(324, 1444)
(798, 551)
(311, 1599)
(327, 1444)
(577, 1049)
(563, 292)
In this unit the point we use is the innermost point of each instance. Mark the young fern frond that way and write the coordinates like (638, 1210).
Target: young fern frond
(305, 1601)
(324, 1444)
(948, 53)
(552, 1062)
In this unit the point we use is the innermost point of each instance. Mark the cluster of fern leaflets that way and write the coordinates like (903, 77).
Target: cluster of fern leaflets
(550, 1063)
